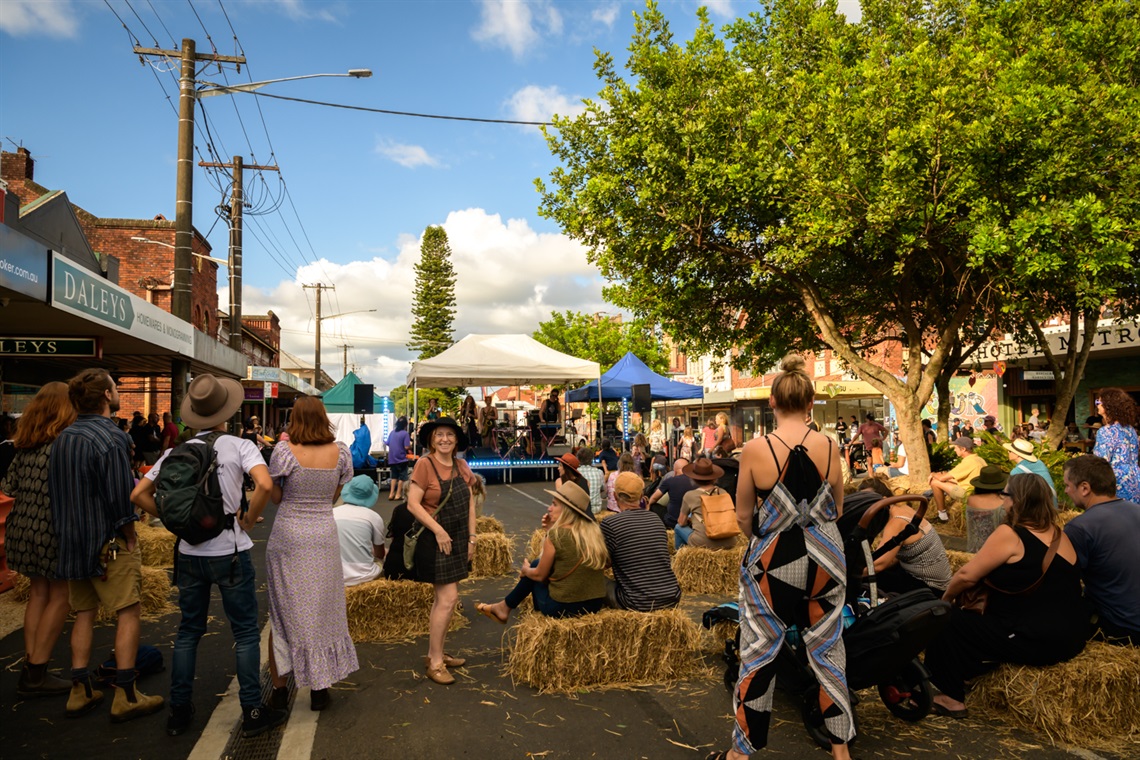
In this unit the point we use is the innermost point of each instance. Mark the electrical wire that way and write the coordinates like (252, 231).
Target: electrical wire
(153, 36)
(173, 41)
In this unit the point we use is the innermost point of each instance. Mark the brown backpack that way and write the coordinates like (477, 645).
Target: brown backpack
(719, 515)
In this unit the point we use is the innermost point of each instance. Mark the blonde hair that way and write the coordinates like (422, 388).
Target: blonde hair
(656, 424)
(721, 418)
(586, 535)
(792, 390)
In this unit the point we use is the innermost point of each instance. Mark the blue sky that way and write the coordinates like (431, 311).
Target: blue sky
(364, 186)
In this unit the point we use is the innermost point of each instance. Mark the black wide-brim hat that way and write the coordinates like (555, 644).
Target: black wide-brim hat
(423, 435)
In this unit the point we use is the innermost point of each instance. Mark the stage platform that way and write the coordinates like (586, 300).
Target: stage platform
(506, 469)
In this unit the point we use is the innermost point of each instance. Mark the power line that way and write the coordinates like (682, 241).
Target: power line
(153, 36)
(174, 42)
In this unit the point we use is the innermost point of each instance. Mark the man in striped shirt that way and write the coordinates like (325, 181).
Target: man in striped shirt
(89, 484)
(639, 552)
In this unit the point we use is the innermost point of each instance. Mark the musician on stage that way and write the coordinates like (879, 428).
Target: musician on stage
(551, 410)
(468, 415)
(488, 416)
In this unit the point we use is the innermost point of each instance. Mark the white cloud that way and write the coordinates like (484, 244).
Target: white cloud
(719, 7)
(606, 14)
(30, 17)
(299, 11)
(508, 279)
(534, 103)
(515, 25)
(409, 156)
(852, 9)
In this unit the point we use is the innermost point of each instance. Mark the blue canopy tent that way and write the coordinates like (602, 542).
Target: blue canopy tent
(616, 384)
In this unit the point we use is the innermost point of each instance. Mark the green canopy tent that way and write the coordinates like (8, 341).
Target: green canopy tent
(338, 402)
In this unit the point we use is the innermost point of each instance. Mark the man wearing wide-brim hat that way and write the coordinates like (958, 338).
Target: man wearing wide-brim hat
(690, 528)
(360, 530)
(1024, 456)
(224, 561)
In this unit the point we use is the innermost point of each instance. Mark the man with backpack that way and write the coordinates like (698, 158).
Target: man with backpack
(196, 489)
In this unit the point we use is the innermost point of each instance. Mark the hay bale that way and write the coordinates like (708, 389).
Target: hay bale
(21, 587)
(957, 559)
(715, 637)
(607, 648)
(391, 611)
(534, 543)
(672, 545)
(492, 555)
(709, 571)
(1066, 515)
(154, 597)
(488, 524)
(156, 545)
(1089, 701)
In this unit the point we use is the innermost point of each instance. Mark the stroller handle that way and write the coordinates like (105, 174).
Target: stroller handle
(872, 510)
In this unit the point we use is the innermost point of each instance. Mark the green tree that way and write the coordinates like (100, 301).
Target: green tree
(402, 400)
(600, 339)
(805, 181)
(433, 300)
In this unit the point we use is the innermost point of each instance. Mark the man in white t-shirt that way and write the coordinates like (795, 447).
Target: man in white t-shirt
(360, 529)
(898, 466)
(224, 561)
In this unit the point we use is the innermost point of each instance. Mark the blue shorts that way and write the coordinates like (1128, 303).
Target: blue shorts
(399, 471)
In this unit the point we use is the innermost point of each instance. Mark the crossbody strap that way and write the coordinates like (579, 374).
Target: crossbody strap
(1048, 560)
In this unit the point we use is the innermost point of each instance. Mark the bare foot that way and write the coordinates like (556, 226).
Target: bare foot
(948, 703)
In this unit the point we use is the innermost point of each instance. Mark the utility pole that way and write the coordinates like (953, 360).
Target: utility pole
(180, 297)
(237, 201)
(317, 357)
(345, 347)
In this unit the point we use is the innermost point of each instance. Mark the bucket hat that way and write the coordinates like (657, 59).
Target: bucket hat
(361, 491)
(210, 401)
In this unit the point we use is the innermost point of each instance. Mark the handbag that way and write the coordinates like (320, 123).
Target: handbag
(719, 515)
(412, 537)
(976, 598)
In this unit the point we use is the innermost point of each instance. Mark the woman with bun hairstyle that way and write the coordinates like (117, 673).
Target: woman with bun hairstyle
(788, 497)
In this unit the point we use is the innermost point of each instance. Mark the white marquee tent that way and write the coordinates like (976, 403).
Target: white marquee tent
(499, 360)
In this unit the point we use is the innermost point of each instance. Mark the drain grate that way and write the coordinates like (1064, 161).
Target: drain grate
(262, 747)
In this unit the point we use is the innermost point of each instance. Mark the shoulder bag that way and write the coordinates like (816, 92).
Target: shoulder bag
(976, 598)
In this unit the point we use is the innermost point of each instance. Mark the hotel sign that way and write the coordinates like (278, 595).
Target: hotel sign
(1109, 335)
(41, 346)
(87, 295)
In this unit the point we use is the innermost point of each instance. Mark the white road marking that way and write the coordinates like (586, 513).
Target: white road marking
(300, 731)
(526, 495)
(212, 743)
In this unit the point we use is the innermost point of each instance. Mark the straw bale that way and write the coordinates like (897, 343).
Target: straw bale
(156, 545)
(607, 648)
(715, 637)
(604, 514)
(492, 555)
(391, 611)
(21, 587)
(708, 571)
(155, 596)
(534, 543)
(1067, 514)
(669, 540)
(957, 559)
(488, 524)
(1089, 701)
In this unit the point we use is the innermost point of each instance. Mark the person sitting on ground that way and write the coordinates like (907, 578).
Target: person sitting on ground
(1024, 458)
(625, 464)
(639, 553)
(674, 488)
(360, 529)
(898, 466)
(920, 561)
(1034, 614)
(690, 528)
(567, 579)
(956, 483)
(1104, 537)
(594, 478)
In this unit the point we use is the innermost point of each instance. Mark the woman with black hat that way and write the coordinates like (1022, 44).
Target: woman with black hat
(690, 528)
(439, 499)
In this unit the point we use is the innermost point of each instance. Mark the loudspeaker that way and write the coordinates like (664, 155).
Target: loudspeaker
(362, 402)
(556, 450)
(640, 401)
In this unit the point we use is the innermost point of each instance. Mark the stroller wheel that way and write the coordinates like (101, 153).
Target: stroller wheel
(908, 695)
(813, 717)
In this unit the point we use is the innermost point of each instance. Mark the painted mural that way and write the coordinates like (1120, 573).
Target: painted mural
(969, 402)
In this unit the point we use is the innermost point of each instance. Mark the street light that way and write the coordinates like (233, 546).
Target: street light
(223, 262)
(225, 89)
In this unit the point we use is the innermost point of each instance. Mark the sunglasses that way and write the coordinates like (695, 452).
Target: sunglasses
(1007, 494)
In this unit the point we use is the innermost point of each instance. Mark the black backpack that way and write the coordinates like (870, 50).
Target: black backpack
(188, 494)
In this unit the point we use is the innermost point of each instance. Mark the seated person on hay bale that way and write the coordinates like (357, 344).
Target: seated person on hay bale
(1024, 458)
(690, 528)
(594, 477)
(956, 483)
(567, 579)
(636, 541)
(1104, 537)
(918, 562)
(360, 529)
(674, 487)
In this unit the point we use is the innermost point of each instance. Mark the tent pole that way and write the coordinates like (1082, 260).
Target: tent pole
(415, 412)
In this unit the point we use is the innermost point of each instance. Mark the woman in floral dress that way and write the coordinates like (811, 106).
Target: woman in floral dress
(308, 625)
(1117, 441)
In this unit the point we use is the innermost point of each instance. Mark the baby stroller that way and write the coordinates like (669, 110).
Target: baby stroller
(859, 459)
(882, 639)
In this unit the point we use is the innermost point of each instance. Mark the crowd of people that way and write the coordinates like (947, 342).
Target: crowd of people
(75, 496)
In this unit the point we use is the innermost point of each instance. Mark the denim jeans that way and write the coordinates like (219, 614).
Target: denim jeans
(195, 577)
(545, 604)
(681, 535)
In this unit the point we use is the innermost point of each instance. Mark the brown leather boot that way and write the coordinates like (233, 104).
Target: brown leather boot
(125, 708)
(83, 699)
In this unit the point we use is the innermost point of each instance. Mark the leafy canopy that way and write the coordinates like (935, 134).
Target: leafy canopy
(601, 339)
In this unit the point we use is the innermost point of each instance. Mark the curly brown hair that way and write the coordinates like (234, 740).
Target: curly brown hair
(1118, 406)
(45, 418)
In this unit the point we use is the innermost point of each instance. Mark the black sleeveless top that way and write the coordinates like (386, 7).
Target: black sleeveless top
(798, 473)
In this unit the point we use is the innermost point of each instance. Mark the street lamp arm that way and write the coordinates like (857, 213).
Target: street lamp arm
(214, 88)
(346, 313)
(223, 262)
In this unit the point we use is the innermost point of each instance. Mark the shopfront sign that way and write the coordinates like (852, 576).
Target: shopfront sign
(87, 295)
(254, 394)
(271, 390)
(1109, 336)
(23, 264)
(1037, 374)
(46, 346)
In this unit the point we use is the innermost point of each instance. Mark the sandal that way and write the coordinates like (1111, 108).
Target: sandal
(485, 609)
(440, 674)
(946, 712)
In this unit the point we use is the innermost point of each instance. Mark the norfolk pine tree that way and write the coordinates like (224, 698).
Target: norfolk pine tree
(433, 308)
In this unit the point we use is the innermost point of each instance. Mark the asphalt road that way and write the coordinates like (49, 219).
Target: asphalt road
(389, 708)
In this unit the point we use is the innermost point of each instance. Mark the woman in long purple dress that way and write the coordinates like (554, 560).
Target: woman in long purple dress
(308, 626)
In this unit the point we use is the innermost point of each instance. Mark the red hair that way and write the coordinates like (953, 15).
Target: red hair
(46, 417)
(309, 423)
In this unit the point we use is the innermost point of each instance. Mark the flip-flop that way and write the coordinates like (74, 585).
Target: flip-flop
(946, 712)
(485, 609)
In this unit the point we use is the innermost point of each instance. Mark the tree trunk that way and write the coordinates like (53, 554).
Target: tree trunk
(1067, 375)
(909, 413)
(942, 388)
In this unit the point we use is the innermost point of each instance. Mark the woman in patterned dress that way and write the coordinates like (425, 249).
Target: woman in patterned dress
(794, 572)
(439, 498)
(1117, 441)
(308, 624)
(30, 540)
